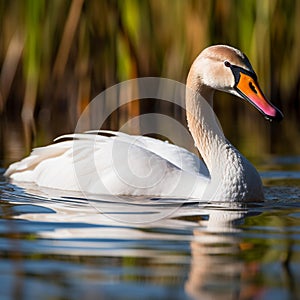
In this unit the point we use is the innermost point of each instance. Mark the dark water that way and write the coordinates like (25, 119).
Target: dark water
(124, 248)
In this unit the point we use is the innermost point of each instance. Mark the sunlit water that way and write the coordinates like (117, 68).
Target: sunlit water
(54, 247)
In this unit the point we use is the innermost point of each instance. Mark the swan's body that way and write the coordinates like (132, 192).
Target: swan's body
(121, 164)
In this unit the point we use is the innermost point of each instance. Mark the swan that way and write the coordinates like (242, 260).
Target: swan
(115, 163)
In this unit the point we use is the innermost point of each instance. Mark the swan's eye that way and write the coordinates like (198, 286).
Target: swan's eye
(252, 87)
(227, 64)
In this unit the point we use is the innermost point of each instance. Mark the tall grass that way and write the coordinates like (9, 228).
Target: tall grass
(55, 56)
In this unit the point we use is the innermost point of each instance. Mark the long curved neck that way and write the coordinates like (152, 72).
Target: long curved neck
(202, 122)
(232, 176)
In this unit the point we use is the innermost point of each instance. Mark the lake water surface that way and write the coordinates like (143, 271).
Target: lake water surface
(54, 247)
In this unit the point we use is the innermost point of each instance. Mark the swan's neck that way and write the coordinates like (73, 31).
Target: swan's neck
(204, 126)
(232, 176)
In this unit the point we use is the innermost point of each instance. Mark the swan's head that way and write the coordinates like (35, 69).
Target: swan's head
(227, 69)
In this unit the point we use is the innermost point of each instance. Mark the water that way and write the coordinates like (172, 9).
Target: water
(54, 247)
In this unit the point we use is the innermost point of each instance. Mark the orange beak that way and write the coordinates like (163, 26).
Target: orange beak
(249, 89)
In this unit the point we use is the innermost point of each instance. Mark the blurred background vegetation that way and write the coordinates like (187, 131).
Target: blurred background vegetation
(56, 56)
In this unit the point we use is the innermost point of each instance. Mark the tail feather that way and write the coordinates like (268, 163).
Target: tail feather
(37, 156)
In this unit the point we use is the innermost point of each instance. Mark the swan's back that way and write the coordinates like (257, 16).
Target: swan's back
(118, 164)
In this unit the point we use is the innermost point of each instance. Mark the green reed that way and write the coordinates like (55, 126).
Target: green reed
(55, 56)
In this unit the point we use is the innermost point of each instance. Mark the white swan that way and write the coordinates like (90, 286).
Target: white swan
(120, 164)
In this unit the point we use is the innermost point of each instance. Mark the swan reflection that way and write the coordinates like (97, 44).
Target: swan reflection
(202, 240)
